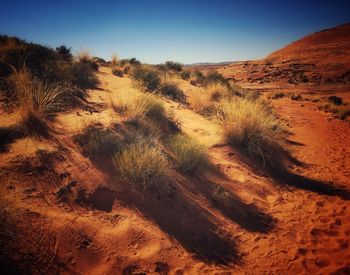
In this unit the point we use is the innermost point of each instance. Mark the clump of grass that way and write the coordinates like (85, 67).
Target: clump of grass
(118, 72)
(294, 96)
(250, 126)
(202, 105)
(99, 143)
(216, 91)
(197, 78)
(341, 111)
(35, 95)
(146, 77)
(205, 102)
(121, 102)
(188, 153)
(171, 89)
(114, 60)
(185, 75)
(215, 78)
(147, 105)
(84, 57)
(82, 75)
(140, 164)
(335, 100)
(276, 95)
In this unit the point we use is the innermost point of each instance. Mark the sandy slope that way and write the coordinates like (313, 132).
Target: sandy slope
(233, 218)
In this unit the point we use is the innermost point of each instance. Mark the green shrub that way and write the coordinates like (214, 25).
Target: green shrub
(189, 154)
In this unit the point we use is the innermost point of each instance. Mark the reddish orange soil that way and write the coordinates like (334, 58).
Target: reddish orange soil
(77, 218)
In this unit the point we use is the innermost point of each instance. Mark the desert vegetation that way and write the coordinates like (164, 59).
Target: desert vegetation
(189, 154)
(252, 127)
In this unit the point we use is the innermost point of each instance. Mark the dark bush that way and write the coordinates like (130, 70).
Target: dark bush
(147, 77)
(335, 100)
(64, 53)
(41, 61)
(82, 75)
(173, 66)
(185, 75)
(215, 77)
(173, 91)
(134, 61)
(198, 78)
(117, 72)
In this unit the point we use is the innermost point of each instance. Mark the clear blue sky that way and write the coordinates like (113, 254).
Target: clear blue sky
(186, 31)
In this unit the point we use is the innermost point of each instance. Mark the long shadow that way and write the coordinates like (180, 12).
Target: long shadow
(248, 216)
(181, 218)
(284, 177)
(313, 185)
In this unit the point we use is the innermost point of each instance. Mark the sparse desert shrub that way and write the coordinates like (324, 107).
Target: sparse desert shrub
(140, 164)
(202, 105)
(37, 96)
(140, 128)
(197, 78)
(121, 102)
(172, 90)
(276, 95)
(64, 53)
(335, 100)
(215, 78)
(114, 60)
(250, 126)
(82, 75)
(340, 111)
(295, 96)
(173, 66)
(146, 77)
(117, 72)
(126, 69)
(14, 53)
(216, 91)
(99, 61)
(134, 62)
(246, 93)
(99, 143)
(85, 58)
(185, 75)
(189, 154)
(147, 105)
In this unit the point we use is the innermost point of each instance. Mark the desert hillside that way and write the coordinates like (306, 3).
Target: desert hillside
(121, 167)
(317, 62)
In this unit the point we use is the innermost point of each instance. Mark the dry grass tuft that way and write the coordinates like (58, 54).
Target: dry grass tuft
(37, 96)
(140, 164)
(188, 153)
(252, 127)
